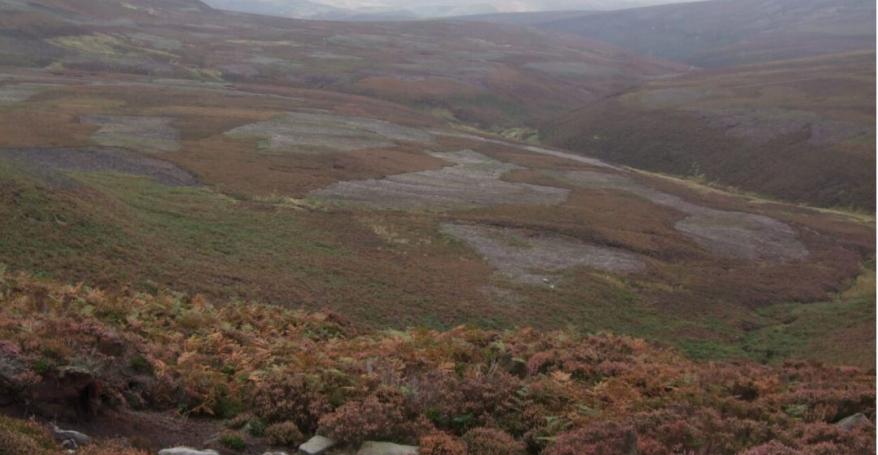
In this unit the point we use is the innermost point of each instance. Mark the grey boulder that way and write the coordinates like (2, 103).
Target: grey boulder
(853, 421)
(316, 445)
(78, 438)
(386, 448)
(187, 451)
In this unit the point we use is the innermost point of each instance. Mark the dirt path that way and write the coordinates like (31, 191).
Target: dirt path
(532, 148)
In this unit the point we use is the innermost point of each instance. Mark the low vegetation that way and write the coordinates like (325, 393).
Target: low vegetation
(798, 130)
(497, 392)
(222, 187)
(227, 219)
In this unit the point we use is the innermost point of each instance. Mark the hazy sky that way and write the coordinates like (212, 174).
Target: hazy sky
(503, 5)
(424, 8)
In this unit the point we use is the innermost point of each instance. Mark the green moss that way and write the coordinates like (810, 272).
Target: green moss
(226, 407)
(233, 441)
(825, 331)
(43, 366)
(140, 365)
(256, 427)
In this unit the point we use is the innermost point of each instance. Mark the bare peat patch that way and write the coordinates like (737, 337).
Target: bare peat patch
(473, 180)
(726, 233)
(311, 132)
(48, 161)
(534, 258)
(146, 134)
(16, 93)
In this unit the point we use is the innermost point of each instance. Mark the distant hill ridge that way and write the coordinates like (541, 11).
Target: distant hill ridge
(725, 32)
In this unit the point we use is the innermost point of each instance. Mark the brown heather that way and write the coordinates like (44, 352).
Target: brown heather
(497, 392)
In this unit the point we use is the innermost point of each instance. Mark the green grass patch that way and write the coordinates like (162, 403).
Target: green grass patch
(233, 441)
(839, 331)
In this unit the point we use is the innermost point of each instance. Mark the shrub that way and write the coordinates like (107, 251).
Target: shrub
(233, 440)
(383, 415)
(388, 384)
(139, 364)
(441, 444)
(284, 434)
(256, 427)
(772, 448)
(282, 397)
(490, 441)
(43, 366)
(22, 436)
(472, 399)
(605, 438)
(238, 422)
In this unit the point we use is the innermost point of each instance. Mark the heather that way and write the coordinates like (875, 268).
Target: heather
(79, 351)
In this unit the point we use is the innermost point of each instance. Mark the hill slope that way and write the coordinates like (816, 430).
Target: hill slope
(490, 75)
(522, 391)
(139, 157)
(297, 170)
(730, 32)
(405, 10)
(800, 130)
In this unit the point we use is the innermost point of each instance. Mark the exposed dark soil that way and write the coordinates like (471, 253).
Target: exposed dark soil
(47, 160)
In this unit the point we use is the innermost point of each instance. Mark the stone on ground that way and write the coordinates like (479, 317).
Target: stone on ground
(386, 448)
(187, 451)
(316, 445)
(854, 421)
(69, 435)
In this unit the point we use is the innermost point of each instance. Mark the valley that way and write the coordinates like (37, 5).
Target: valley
(231, 212)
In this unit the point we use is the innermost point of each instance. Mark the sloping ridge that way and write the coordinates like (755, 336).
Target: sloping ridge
(722, 33)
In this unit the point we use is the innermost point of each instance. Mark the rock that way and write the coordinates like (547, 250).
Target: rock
(78, 438)
(11, 370)
(187, 451)
(316, 445)
(853, 421)
(386, 448)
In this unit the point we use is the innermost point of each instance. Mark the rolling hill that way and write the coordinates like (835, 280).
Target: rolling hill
(294, 227)
(188, 137)
(800, 130)
(372, 10)
(777, 99)
(730, 32)
(494, 76)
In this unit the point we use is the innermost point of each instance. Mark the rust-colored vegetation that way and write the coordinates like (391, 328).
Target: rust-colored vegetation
(498, 392)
